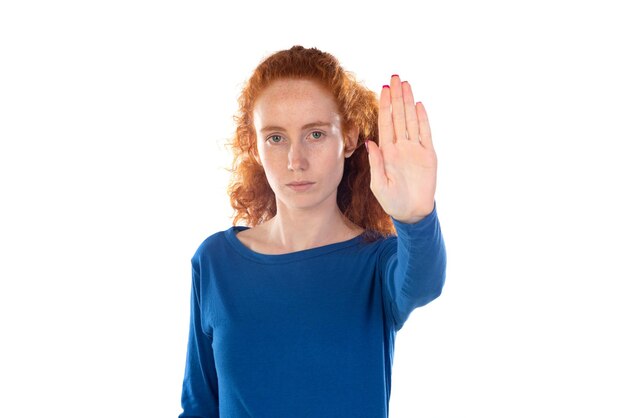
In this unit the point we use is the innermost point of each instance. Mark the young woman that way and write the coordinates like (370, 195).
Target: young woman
(295, 315)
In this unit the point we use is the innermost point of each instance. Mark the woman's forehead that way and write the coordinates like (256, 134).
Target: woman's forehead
(295, 102)
(295, 90)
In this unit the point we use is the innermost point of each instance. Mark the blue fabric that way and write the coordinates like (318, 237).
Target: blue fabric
(305, 334)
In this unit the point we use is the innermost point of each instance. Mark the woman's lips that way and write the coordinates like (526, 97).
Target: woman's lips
(300, 186)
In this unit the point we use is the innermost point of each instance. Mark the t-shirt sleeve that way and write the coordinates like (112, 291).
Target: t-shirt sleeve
(200, 390)
(413, 267)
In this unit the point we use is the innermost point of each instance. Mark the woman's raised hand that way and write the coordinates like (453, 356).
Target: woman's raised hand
(404, 165)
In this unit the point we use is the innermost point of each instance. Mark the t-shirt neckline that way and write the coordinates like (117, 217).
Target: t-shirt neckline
(287, 257)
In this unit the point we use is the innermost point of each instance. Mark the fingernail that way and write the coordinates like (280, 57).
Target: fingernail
(366, 147)
(395, 75)
(386, 86)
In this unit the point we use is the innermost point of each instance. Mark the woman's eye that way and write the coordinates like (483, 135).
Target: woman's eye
(316, 134)
(275, 138)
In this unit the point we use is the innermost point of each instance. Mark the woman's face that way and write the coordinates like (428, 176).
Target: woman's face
(299, 139)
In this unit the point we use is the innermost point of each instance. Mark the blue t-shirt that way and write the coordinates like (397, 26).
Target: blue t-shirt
(305, 334)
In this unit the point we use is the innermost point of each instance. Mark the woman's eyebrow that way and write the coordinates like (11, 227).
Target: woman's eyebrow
(317, 124)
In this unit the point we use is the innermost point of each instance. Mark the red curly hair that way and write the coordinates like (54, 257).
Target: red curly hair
(250, 194)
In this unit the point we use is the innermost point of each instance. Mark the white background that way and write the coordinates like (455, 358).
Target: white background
(113, 119)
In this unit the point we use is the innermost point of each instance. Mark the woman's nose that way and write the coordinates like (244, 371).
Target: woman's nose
(297, 158)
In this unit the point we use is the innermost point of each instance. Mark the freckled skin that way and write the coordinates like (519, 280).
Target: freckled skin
(294, 153)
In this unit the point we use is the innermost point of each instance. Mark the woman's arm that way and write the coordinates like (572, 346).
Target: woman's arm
(200, 390)
(413, 268)
(403, 178)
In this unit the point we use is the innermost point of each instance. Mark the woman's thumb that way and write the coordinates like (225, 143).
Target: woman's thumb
(377, 169)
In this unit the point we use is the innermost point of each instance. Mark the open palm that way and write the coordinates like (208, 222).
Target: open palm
(403, 165)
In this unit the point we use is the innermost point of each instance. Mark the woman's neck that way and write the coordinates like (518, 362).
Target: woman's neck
(297, 230)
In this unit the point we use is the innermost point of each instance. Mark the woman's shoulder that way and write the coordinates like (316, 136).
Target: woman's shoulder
(215, 241)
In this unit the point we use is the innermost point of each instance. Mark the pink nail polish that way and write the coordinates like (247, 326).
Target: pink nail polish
(395, 75)
(386, 86)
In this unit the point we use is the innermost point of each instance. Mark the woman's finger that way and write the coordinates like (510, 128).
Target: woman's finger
(424, 126)
(410, 113)
(397, 108)
(385, 124)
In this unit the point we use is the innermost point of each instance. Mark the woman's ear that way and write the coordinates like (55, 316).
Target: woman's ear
(254, 152)
(351, 139)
